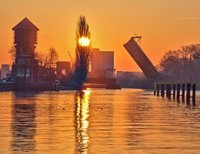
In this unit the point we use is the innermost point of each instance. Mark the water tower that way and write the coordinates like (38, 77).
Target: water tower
(25, 40)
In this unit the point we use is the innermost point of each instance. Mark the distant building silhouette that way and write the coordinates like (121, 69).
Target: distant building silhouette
(102, 64)
(132, 80)
(63, 70)
(25, 38)
(4, 70)
(102, 73)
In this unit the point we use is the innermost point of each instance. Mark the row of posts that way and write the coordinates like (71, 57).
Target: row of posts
(177, 91)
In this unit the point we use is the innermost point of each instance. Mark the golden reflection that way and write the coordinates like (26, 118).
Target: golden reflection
(81, 120)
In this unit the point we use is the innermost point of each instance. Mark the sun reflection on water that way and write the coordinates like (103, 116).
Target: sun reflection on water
(81, 120)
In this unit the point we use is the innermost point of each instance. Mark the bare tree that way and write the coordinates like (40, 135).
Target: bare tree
(83, 52)
(47, 60)
(41, 58)
(52, 57)
(180, 64)
(12, 53)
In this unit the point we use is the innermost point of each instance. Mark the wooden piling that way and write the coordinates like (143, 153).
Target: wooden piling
(155, 88)
(188, 93)
(193, 93)
(178, 92)
(158, 89)
(174, 91)
(167, 91)
(169, 86)
(183, 92)
(162, 89)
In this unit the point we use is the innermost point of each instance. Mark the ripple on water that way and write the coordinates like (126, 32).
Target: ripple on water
(99, 121)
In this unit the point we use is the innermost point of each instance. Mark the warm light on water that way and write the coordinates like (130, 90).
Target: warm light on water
(97, 121)
(82, 114)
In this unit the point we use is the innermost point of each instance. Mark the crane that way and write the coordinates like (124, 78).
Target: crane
(71, 59)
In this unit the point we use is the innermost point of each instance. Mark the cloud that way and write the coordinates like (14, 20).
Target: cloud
(193, 18)
(185, 18)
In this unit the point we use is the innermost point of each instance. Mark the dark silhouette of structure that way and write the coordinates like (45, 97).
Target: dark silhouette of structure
(63, 68)
(63, 71)
(25, 68)
(141, 59)
(102, 64)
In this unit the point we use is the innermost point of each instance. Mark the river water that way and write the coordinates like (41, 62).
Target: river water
(97, 121)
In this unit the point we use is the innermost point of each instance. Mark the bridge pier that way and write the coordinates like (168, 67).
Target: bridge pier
(175, 89)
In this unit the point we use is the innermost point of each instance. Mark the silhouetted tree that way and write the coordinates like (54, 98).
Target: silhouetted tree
(83, 52)
(52, 57)
(41, 58)
(47, 60)
(180, 65)
(12, 53)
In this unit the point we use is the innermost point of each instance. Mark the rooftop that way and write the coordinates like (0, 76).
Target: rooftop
(25, 24)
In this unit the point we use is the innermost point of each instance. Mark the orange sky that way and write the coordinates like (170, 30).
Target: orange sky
(164, 25)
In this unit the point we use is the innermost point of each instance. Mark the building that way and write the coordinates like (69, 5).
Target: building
(4, 70)
(63, 69)
(25, 68)
(102, 64)
(133, 80)
(130, 76)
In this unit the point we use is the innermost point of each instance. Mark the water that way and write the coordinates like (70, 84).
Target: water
(115, 122)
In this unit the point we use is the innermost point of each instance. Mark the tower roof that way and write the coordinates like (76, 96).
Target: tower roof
(25, 24)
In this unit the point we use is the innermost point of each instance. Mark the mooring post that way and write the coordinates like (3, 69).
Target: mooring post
(158, 89)
(178, 91)
(183, 92)
(194, 93)
(170, 88)
(155, 87)
(162, 89)
(188, 93)
(174, 91)
(167, 90)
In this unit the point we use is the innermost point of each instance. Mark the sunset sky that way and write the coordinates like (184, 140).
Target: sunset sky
(163, 24)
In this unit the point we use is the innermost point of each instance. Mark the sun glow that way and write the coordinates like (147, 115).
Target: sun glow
(84, 41)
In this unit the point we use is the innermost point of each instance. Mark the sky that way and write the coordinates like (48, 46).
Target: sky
(163, 24)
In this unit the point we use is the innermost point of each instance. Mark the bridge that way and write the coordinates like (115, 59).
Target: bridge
(141, 59)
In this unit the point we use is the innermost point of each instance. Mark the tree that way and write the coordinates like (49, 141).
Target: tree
(83, 52)
(180, 65)
(41, 58)
(47, 60)
(12, 53)
(52, 58)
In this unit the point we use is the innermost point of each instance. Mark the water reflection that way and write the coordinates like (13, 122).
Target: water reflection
(81, 121)
(23, 124)
(126, 121)
(140, 127)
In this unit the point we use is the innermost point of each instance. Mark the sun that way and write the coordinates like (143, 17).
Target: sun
(84, 41)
